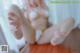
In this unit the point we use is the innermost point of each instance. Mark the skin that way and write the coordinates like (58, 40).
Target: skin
(41, 3)
(27, 29)
(40, 22)
(53, 33)
(14, 21)
(49, 35)
(64, 30)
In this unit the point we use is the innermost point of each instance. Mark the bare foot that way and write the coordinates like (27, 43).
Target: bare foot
(20, 22)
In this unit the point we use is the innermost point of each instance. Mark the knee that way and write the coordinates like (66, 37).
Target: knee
(71, 20)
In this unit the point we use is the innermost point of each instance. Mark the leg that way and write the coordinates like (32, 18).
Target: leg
(52, 34)
(63, 31)
(46, 36)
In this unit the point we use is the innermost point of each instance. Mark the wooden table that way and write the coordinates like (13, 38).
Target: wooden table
(49, 49)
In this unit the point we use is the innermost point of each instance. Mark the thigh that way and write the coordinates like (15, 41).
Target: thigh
(64, 27)
(46, 36)
(67, 25)
(63, 31)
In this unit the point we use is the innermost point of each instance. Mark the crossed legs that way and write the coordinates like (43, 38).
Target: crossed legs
(53, 35)
(56, 34)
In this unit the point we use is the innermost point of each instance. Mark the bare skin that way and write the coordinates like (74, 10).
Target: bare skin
(16, 24)
(49, 35)
(40, 20)
(54, 33)
(26, 28)
(62, 31)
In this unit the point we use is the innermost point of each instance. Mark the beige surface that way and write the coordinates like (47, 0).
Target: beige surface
(73, 40)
